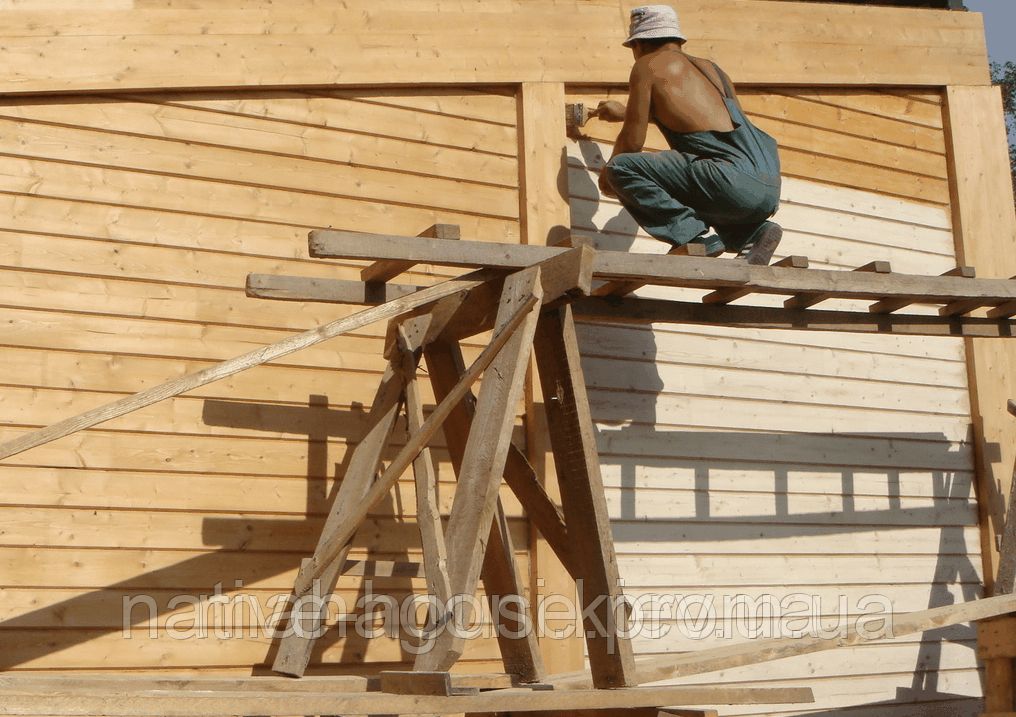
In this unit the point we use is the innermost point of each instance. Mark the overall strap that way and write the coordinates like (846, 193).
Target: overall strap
(725, 89)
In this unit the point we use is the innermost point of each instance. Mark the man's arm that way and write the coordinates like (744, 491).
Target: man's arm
(632, 137)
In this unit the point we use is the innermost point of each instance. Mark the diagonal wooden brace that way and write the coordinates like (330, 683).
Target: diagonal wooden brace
(295, 648)
(519, 647)
(331, 546)
(483, 461)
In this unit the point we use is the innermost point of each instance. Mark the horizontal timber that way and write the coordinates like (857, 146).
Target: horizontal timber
(350, 44)
(630, 310)
(195, 704)
(669, 270)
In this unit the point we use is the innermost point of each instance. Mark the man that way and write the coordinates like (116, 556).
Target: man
(721, 171)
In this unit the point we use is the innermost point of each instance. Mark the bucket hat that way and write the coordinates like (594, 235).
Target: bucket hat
(653, 21)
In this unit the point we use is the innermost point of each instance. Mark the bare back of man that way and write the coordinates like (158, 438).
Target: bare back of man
(683, 98)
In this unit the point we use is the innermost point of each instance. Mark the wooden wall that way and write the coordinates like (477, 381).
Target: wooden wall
(774, 463)
(156, 151)
(159, 44)
(129, 226)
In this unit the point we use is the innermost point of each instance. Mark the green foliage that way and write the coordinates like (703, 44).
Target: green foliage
(1005, 77)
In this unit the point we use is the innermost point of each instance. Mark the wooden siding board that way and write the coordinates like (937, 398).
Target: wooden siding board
(153, 49)
(708, 470)
(110, 291)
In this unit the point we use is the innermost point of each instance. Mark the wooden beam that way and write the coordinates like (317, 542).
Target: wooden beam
(758, 42)
(279, 704)
(385, 269)
(295, 649)
(428, 514)
(419, 682)
(578, 471)
(664, 270)
(630, 310)
(1005, 578)
(984, 225)
(484, 457)
(500, 573)
(332, 547)
(802, 300)
(757, 651)
(725, 296)
(887, 306)
(233, 366)
(621, 287)
(629, 712)
(444, 362)
(328, 291)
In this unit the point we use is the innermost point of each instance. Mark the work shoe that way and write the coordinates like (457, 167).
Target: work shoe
(712, 243)
(759, 248)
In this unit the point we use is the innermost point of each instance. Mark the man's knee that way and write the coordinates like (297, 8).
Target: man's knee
(620, 170)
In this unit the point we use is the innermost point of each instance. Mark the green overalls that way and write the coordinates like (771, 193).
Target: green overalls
(729, 181)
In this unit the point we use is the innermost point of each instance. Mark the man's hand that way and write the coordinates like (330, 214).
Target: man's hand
(610, 111)
(605, 188)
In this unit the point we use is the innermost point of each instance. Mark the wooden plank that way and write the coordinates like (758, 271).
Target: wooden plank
(756, 651)
(294, 650)
(239, 165)
(445, 365)
(422, 683)
(502, 579)
(386, 269)
(249, 360)
(428, 512)
(985, 229)
(629, 712)
(636, 311)
(569, 278)
(808, 107)
(622, 287)
(725, 296)
(887, 306)
(803, 300)
(578, 470)
(847, 45)
(519, 649)
(277, 705)
(1005, 578)
(998, 685)
(662, 270)
(996, 638)
(327, 552)
(329, 291)
(484, 457)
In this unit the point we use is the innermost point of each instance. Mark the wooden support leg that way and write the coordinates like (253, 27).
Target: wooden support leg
(295, 648)
(428, 515)
(585, 508)
(483, 461)
(502, 580)
(522, 656)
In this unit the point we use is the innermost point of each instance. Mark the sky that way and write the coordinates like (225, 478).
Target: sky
(999, 26)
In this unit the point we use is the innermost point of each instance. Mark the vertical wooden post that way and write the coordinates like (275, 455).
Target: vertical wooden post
(984, 224)
(585, 507)
(545, 217)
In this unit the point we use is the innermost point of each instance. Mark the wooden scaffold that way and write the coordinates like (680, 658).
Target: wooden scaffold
(528, 298)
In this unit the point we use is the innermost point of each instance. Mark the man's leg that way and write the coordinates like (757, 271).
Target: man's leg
(651, 186)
